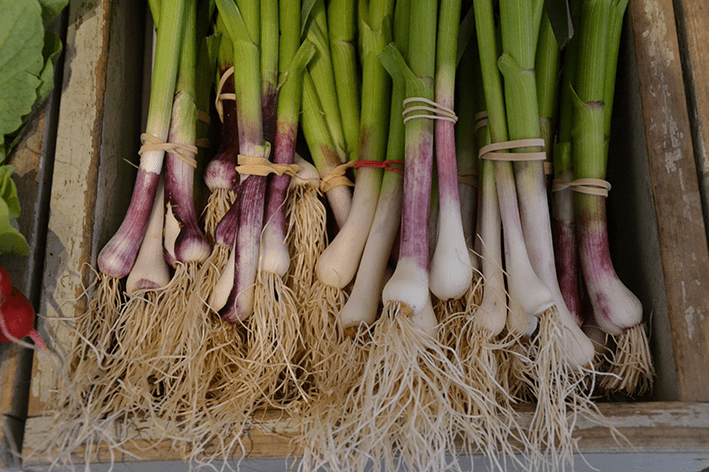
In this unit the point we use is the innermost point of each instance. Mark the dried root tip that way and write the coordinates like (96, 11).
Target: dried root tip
(274, 342)
(516, 366)
(562, 398)
(493, 428)
(399, 414)
(631, 364)
(306, 236)
(219, 202)
(322, 333)
(95, 335)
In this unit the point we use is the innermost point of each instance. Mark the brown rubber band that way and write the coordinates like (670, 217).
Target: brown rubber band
(480, 121)
(597, 187)
(251, 165)
(548, 168)
(186, 152)
(336, 177)
(202, 143)
(469, 179)
(204, 117)
(223, 96)
(490, 151)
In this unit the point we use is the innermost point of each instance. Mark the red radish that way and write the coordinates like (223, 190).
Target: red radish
(16, 314)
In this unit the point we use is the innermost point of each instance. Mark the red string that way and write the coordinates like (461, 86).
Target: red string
(380, 164)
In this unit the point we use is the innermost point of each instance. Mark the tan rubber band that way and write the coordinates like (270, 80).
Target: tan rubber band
(337, 178)
(469, 179)
(223, 96)
(250, 165)
(480, 120)
(204, 117)
(597, 187)
(548, 168)
(439, 112)
(186, 152)
(489, 151)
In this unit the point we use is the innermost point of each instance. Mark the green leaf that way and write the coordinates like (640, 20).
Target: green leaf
(21, 61)
(233, 21)
(11, 240)
(8, 191)
(51, 9)
(51, 51)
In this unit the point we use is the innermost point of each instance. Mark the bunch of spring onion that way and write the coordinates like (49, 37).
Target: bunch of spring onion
(559, 351)
(589, 90)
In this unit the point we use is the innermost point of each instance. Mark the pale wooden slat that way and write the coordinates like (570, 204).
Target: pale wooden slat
(683, 245)
(74, 185)
(693, 18)
(648, 427)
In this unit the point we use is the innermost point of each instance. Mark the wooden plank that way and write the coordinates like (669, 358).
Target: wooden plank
(648, 427)
(74, 185)
(684, 254)
(693, 21)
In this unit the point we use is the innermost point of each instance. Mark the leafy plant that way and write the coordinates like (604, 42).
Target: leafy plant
(27, 57)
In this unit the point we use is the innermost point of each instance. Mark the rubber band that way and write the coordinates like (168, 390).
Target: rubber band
(202, 143)
(380, 164)
(480, 121)
(596, 187)
(439, 111)
(337, 178)
(223, 96)
(470, 179)
(251, 165)
(548, 168)
(204, 117)
(186, 152)
(489, 151)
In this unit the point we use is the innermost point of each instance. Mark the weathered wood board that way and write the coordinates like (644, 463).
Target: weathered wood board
(693, 26)
(675, 189)
(657, 427)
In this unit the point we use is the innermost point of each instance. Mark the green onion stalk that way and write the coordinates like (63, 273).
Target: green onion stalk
(337, 265)
(321, 70)
(342, 30)
(563, 220)
(616, 310)
(467, 91)
(220, 175)
(451, 271)
(323, 151)
(547, 68)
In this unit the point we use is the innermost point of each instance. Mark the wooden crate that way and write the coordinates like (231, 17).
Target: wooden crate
(661, 251)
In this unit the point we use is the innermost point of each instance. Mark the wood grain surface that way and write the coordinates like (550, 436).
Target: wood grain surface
(673, 173)
(655, 427)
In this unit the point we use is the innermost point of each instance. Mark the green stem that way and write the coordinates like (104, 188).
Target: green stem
(322, 73)
(341, 15)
